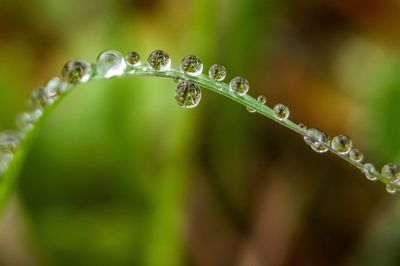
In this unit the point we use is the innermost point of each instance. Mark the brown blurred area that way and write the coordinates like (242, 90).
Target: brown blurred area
(121, 176)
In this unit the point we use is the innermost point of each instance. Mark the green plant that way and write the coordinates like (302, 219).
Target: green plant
(15, 144)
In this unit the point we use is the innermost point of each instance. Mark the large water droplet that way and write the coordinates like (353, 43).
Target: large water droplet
(356, 155)
(239, 85)
(9, 141)
(132, 59)
(192, 65)
(391, 172)
(159, 60)
(77, 71)
(187, 94)
(217, 72)
(370, 171)
(110, 63)
(342, 144)
(317, 140)
(281, 111)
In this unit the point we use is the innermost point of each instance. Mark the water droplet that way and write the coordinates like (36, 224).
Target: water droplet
(391, 189)
(370, 171)
(317, 140)
(110, 63)
(391, 172)
(302, 127)
(261, 99)
(5, 159)
(192, 65)
(26, 120)
(77, 71)
(239, 85)
(38, 99)
(356, 155)
(342, 144)
(250, 110)
(55, 87)
(9, 141)
(159, 60)
(132, 58)
(187, 94)
(217, 72)
(281, 111)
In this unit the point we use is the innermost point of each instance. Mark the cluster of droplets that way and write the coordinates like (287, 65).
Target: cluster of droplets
(111, 63)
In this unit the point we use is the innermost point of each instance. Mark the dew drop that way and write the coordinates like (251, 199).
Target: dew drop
(77, 71)
(38, 99)
(356, 155)
(217, 72)
(317, 140)
(159, 60)
(281, 111)
(5, 159)
(239, 85)
(250, 110)
(187, 94)
(391, 172)
(370, 171)
(391, 189)
(132, 58)
(9, 141)
(302, 127)
(261, 99)
(26, 120)
(110, 63)
(342, 144)
(192, 65)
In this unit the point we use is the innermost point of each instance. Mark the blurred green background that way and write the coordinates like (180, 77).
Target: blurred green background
(120, 175)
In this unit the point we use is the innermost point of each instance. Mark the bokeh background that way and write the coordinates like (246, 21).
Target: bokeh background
(120, 175)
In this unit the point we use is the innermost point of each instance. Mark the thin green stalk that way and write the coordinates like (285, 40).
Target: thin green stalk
(204, 81)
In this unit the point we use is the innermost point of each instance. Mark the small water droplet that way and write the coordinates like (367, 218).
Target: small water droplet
(26, 120)
(239, 85)
(217, 72)
(302, 127)
(132, 58)
(187, 94)
(356, 155)
(110, 63)
(192, 65)
(391, 172)
(317, 140)
(9, 141)
(342, 144)
(5, 159)
(51, 89)
(250, 110)
(391, 189)
(159, 60)
(77, 71)
(262, 99)
(370, 171)
(38, 99)
(281, 111)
